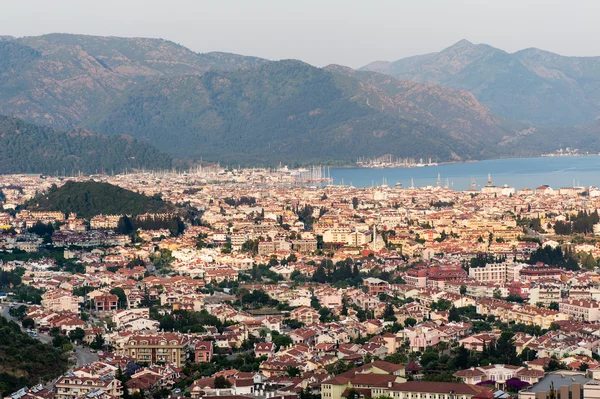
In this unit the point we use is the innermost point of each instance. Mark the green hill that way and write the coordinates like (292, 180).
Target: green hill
(24, 361)
(91, 198)
(28, 148)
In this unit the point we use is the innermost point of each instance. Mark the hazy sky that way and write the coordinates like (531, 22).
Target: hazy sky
(320, 32)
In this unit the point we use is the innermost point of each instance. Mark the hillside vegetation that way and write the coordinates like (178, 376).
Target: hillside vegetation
(91, 198)
(24, 361)
(285, 111)
(27, 148)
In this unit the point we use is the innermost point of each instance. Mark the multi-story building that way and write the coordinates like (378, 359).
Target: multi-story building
(545, 294)
(305, 246)
(60, 301)
(375, 285)
(72, 386)
(581, 309)
(338, 235)
(496, 272)
(105, 221)
(427, 389)
(369, 376)
(169, 348)
(203, 351)
(125, 316)
(499, 373)
(560, 384)
(106, 302)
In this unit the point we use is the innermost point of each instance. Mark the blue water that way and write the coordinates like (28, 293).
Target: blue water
(515, 172)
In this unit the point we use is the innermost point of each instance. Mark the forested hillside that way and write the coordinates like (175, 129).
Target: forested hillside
(282, 111)
(91, 198)
(28, 148)
(24, 361)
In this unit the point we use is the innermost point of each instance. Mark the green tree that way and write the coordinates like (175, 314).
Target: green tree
(28, 323)
(222, 382)
(78, 334)
(98, 342)
(120, 293)
(453, 314)
(410, 322)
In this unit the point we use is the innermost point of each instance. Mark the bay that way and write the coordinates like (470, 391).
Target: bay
(519, 173)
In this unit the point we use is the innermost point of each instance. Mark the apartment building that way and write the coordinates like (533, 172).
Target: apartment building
(545, 294)
(60, 301)
(581, 309)
(169, 348)
(496, 272)
(427, 389)
(71, 386)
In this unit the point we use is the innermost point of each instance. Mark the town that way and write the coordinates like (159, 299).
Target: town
(262, 283)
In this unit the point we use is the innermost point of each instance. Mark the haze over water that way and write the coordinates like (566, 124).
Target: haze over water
(515, 172)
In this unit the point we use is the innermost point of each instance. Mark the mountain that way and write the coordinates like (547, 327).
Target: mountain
(457, 112)
(91, 198)
(290, 111)
(530, 85)
(60, 79)
(28, 148)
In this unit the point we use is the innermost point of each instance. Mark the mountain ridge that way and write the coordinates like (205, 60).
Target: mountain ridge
(531, 85)
(60, 79)
(288, 104)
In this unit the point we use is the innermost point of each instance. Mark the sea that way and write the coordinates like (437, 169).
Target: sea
(559, 171)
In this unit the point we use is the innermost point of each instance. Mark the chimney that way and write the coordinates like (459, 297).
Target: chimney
(389, 384)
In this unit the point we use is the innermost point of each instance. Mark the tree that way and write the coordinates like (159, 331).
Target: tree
(554, 365)
(389, 313)
(28, 322)
(320, 276)
(222, 382)
(506, 350)
(282, 341)
(410, 322)
(355, 202)
(98, 342)
(123, 377)
(589, 262)
(553, 306)
(125, 225)
(344, 311)
(41, 229)
(453, 315)
(176, 226)
(497, 294)
(463, 290)
(461, 358)
(293, 371)
(515, 384)
(120, 293)
(77, 334)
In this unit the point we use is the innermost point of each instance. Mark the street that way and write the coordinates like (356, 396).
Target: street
(82, 353)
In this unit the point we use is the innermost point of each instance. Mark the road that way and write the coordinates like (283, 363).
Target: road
(82, 353)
